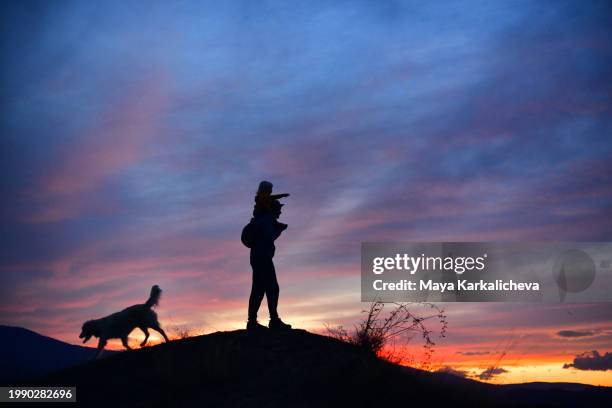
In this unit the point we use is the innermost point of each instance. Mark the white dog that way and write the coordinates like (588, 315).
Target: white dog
(120, 324)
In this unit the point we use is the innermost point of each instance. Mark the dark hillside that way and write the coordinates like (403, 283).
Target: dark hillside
(295, 369)
(24, 353)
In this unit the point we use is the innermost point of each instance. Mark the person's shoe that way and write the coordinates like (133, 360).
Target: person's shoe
(278, 324)
(253, 325)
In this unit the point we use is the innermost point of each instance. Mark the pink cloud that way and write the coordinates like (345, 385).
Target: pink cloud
(119, 138)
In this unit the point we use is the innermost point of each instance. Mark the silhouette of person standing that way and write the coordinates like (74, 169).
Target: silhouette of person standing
(267, 230)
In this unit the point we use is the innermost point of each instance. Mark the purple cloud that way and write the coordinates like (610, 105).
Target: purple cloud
(491, 372)
(453, 371)
(576, 333)
(591, 360)
(473, 353)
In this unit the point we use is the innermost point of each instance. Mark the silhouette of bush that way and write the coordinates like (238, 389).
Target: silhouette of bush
(183, 332)
(381, 329)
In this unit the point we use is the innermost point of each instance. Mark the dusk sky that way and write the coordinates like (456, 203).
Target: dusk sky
(133, 136)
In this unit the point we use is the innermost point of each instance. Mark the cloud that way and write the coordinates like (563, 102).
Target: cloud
(576, 333)
(453, 371)
(491, 372)
(121, 137)
(122, 162)
(591, 360)
(473, 353)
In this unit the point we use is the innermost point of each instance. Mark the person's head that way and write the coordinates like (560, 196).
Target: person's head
(276, 208)
(265, 187)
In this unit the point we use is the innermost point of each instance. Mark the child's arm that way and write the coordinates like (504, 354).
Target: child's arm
(277, 196)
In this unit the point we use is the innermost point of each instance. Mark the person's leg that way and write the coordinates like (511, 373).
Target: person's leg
(257, 288)
(272, 289)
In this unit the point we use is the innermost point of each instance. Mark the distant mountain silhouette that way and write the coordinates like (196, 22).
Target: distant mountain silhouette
(24, 354)
(289, 368)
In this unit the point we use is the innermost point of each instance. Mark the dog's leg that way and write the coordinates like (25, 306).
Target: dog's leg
(101, 344)
(161, 331)
(124, 340)
(146, 332)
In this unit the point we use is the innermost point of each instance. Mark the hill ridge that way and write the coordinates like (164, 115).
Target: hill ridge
(293, 368)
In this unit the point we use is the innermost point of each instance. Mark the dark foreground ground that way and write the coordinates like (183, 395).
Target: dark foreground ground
(289, 369)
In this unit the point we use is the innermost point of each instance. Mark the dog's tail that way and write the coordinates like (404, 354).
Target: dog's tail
(154, 296)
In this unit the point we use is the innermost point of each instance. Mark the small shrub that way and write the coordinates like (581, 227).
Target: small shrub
(182, 332)
(380, 330)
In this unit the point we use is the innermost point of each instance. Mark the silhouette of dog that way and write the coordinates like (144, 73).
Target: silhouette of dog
(120, 324)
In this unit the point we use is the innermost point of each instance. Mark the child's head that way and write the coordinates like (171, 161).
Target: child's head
(265, 187)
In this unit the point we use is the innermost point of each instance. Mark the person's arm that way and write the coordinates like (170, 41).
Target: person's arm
(280, 227)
